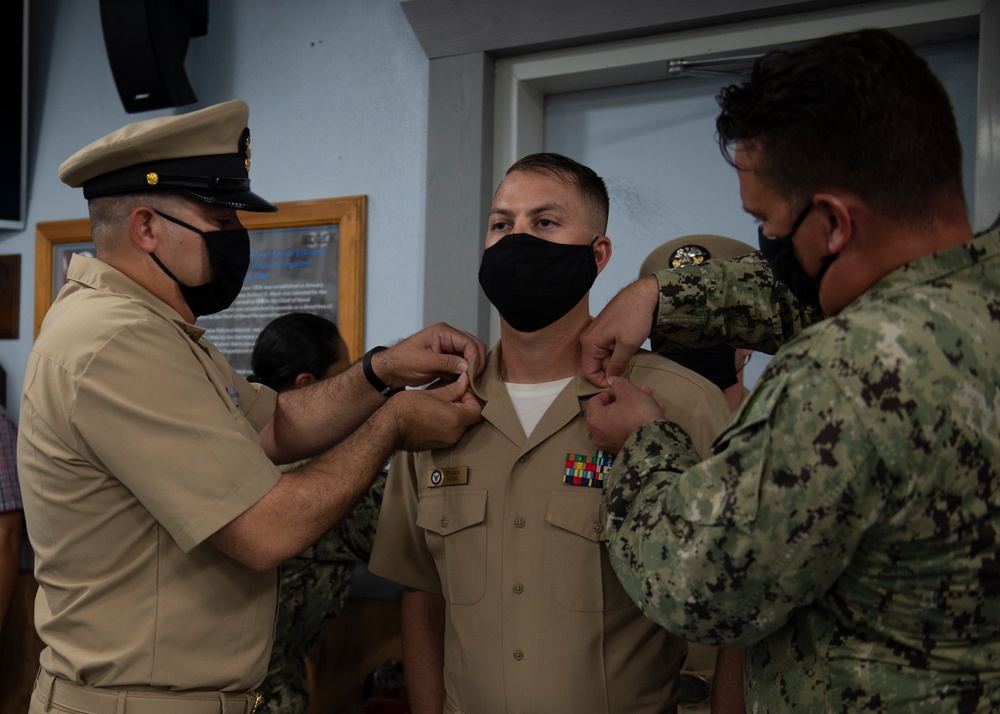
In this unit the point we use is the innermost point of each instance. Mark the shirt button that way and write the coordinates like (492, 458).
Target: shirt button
(523, 458)
(518, 655)
(598, 526)
(519, 522)
(518, 589)
(444, 521)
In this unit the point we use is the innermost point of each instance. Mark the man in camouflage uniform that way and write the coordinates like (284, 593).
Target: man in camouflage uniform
(846, 529)
(314, 587)
(293, 351)
(712, 677)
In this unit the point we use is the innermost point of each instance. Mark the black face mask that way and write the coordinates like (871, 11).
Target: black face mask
(533, 282)
(717, 363)
(229, 259)
(786, 267)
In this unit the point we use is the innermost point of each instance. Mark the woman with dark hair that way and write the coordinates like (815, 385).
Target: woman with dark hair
(293, 351)
(298, 349)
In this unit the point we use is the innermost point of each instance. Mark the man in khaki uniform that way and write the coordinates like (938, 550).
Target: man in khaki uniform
(153, 504)
(511, 605)
(712, 677)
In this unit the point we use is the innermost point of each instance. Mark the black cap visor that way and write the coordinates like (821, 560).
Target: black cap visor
(219, 180)
(240, 200)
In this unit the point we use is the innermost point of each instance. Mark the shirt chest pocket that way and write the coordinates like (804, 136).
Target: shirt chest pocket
(576, 560)
(454, 524)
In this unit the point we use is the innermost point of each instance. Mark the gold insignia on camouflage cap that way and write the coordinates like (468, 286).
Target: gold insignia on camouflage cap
(203, 154)
(688, 255)
(692, 250)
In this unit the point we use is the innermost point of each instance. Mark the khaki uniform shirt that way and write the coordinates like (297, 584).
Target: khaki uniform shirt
(536, 620)
(137, 442)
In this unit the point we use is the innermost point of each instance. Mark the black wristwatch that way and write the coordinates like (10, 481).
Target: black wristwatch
(380, 386)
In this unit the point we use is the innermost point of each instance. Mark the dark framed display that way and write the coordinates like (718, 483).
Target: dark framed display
(10, 296)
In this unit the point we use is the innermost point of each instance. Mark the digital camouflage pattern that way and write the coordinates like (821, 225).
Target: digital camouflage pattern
(314, 587)
(846, 530)
(735, 301)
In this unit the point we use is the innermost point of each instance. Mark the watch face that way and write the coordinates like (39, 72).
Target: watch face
(688, 255)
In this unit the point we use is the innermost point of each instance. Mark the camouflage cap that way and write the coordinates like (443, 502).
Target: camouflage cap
(692, 250)
(204, 154)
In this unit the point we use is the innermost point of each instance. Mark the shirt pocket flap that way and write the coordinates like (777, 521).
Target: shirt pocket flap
(451, 511)
(579, 513)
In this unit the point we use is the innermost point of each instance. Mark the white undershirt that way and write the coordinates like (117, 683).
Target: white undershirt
(531, 401)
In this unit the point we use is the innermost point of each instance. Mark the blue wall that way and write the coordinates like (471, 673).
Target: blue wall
(655, 146)
(338, 106)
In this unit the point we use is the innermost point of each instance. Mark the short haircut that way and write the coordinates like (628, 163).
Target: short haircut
(590, 186)
(859, 111)
(109, 214)
(292, 344)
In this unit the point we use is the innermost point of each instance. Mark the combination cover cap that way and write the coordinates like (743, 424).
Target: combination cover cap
(692, 250)
(203, 154)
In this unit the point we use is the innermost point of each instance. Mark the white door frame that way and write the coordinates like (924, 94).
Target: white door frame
(521, 83)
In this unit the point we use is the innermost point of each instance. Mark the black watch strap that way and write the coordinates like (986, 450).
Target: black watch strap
(380, 386)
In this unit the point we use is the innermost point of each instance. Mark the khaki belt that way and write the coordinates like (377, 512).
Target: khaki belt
(52, 691)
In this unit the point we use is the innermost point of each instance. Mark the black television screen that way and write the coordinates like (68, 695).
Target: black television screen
(13, 113)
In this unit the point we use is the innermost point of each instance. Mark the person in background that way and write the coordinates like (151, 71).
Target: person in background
(712, 678)
(147, 463)
(296, 350)
(846, 531)
(291, 352)
(722, 364)
(510, 603)
(11, 512)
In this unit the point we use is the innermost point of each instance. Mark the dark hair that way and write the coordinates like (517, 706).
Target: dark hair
(292, 344)
(859, 111)
(587, 182)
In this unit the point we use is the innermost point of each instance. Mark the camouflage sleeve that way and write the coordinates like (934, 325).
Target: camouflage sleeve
(351, 540)
(723, 550)
(738, 302)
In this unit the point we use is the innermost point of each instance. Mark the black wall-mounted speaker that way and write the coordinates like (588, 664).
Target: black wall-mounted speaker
(147, 41)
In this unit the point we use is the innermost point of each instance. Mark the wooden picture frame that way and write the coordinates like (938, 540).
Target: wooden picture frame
(56, 240)
(10, 296)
